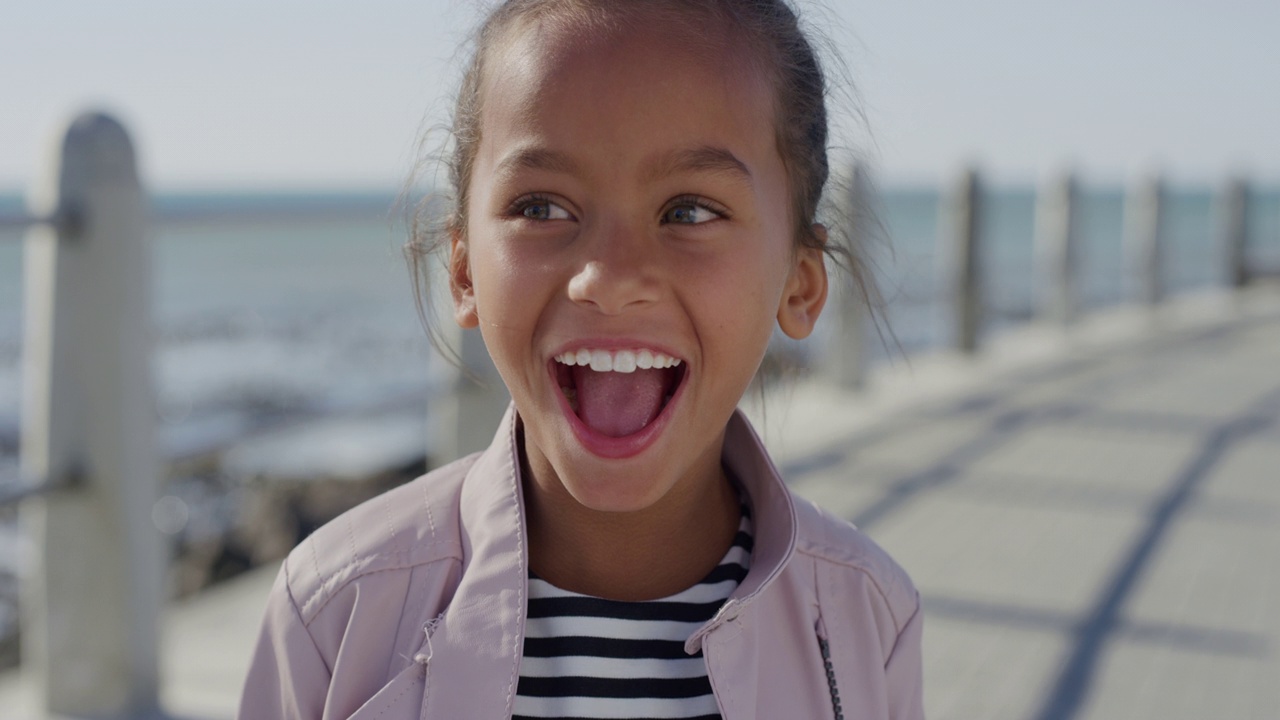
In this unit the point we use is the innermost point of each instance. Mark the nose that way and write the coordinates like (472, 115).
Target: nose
(617, 272)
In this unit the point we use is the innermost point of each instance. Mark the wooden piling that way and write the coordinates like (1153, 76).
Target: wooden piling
(1143, 238)
(1056, 249)
(1233, 232)
(961, 266)
(92, 602)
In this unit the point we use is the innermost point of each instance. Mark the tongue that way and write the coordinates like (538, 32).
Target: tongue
(618, 404)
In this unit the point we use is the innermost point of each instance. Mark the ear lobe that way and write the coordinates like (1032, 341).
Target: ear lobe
(464, 294)
(806, 291)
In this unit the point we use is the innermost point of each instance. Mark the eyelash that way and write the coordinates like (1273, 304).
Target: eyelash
(698, 202)
(523, 203)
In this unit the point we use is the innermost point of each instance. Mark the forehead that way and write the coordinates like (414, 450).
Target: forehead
(697, 30)
(640, 81)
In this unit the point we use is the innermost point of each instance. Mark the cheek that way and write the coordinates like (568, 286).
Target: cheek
(506, 302)
(514, 287)
(737, 297)
(506, 281)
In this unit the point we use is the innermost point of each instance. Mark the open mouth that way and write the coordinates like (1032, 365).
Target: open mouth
(617, 393)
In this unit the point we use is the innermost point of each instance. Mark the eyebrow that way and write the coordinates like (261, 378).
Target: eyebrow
(700, 159)
(535, 158)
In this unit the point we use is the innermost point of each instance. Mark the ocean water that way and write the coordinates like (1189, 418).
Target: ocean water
(261, 318)
(907, 260)
(313, 317)
(269, 322)
(315, 314)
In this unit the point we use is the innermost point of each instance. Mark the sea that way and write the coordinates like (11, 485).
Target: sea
(303, 308)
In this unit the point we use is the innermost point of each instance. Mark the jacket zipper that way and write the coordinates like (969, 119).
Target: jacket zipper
(825, 647)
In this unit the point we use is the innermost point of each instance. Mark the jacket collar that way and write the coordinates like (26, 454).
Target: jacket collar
(773, 515)
(479, 637)
(477, 643)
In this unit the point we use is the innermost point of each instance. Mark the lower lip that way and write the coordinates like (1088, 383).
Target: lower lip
(618, 448)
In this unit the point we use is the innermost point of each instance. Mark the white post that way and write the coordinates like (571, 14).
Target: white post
(846, 354)
(1233, 232)
(1056, 248)
(479, 398)
(1143, 237)
(468, 405)
(961, 265)
(93, 601)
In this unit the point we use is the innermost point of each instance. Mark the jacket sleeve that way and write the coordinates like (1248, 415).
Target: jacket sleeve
(904, 671)
(288, 678)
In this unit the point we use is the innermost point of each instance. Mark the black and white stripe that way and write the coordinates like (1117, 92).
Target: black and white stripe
(590, 658)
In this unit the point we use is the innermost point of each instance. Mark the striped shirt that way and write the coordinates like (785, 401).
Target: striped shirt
(586, 657)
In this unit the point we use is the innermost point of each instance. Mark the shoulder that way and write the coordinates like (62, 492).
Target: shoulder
(839, 549)
(391, 535)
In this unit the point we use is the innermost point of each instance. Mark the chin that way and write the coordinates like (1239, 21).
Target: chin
(615, 489)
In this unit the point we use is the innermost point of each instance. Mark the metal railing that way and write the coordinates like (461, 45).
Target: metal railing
(17, 486)
(12, 222)
(15, 490)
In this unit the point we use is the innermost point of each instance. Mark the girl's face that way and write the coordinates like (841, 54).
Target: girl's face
(628, 199)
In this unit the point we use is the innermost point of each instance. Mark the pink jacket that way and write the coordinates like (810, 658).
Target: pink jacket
(412, 605)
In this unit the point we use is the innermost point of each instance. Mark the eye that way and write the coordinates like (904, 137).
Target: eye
(691, 211)
(539, 208)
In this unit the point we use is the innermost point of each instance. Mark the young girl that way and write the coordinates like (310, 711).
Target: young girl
(636, 187)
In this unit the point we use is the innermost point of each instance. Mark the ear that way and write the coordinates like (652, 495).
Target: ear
(464, 293)
(806, 291)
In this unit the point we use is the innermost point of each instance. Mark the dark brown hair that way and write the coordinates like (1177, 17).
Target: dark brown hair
(782, 50)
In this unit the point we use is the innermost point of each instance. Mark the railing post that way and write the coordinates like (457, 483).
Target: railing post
(846, 360)
(92, 604)
(1056, 248)
(1233, 232)
(961, 264)
(1143, 237)
(468, 403)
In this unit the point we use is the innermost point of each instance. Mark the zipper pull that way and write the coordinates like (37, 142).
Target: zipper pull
(429, 627)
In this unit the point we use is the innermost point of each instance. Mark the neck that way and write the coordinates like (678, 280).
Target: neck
(642, 555)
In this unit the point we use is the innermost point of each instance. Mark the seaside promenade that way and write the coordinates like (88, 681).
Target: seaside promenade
(1092, 518)
(1093, 521)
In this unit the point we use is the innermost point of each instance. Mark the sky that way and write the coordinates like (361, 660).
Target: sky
(334, 95)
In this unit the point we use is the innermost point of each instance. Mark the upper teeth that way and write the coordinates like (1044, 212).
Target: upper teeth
(623, 361)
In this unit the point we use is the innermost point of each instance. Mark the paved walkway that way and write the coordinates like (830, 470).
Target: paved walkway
(1093, 519)
(1096, 537)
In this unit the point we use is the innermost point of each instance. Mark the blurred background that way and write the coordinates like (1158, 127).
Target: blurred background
(294, 325)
